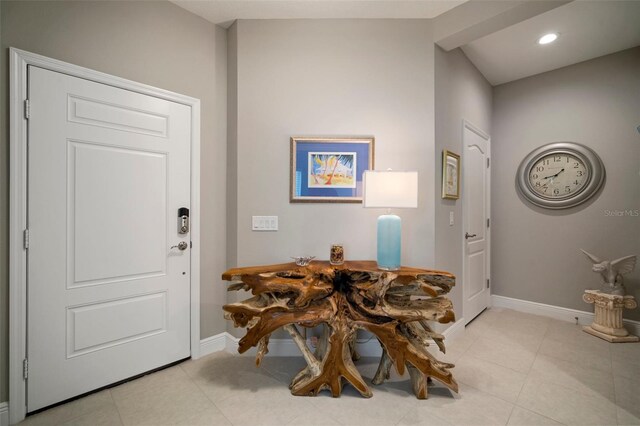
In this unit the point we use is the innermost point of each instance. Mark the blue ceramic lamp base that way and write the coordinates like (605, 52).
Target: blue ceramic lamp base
(389, 242)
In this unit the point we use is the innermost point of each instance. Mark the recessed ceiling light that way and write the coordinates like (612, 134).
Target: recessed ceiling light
(548, 38)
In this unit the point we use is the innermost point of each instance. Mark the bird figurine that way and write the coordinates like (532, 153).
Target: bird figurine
(612, 271)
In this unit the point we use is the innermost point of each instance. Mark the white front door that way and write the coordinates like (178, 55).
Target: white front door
(475, 194)
(108, 298)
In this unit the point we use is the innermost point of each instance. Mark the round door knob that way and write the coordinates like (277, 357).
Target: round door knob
(182, 245)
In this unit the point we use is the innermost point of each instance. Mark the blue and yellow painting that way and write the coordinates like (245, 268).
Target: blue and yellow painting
(332, 169)
(329, 169)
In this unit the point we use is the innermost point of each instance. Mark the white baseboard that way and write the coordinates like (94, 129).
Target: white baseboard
(454, 332)
(4, 414)
(213, 344)
(286, 347)
(556, 312)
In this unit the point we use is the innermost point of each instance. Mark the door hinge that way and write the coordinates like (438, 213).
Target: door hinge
(488, 162)
(25, 239)
(25, 368)
(488, 222)
(488, 281)
(190, 244)
(27, 109)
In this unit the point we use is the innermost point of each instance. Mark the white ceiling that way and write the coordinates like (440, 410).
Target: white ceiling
(224, 12)
(587, 29)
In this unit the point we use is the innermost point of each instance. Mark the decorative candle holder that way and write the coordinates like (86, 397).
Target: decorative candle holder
(336, 255)
(303, 260)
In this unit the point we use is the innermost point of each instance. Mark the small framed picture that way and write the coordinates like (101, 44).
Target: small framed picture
(329, 170)
(450, 175)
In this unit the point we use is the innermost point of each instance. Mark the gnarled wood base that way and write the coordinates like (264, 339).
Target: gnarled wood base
(394, 306)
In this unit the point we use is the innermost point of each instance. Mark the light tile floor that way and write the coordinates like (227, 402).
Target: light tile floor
(513, 369)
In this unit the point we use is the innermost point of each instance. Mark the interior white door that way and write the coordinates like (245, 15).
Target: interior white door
(108, 298)
(476, 199)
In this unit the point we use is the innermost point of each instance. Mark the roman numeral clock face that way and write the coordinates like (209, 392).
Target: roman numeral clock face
(560, 175)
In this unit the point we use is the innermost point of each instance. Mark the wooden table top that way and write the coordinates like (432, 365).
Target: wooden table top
(353, 265)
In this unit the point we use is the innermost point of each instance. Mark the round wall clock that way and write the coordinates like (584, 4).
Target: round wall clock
(560, 175)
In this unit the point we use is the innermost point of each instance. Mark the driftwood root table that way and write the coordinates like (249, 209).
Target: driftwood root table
(395, 306)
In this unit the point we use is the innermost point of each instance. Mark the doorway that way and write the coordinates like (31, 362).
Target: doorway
(104, 283)
(476, 220)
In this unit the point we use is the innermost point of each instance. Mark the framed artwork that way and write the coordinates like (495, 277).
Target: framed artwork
(450, 175)
(329, 170)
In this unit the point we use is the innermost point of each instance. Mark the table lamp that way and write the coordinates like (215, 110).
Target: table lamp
(390, 189)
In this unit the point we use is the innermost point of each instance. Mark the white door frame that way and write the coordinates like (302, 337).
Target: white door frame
(469, 126)
(19, 60)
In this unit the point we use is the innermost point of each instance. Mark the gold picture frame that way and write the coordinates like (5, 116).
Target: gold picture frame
(450, 175)
(329, 169)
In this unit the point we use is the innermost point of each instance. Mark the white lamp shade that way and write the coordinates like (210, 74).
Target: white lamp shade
(390, 189)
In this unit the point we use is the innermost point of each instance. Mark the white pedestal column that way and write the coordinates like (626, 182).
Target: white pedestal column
(607, 323)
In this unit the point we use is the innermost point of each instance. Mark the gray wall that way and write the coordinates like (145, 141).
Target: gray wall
(461, 93)
(331, 77)
(536, 253)
(232, 146)
(4, 228)
(156, 43)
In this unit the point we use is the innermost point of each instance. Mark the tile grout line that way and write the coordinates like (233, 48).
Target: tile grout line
(500, 365)
(566, 360)
(205, 394)
(529, 373)
(189, 379)
(615, 393)
(557, 384)
(496, 364)
(490, 362)
(65, 421)
(117, 409)
(490, 394)
(537, 352)
(401, 418)
(515, 404)
(540, 414)
(416, 408)
(467, 349)
(510, 414)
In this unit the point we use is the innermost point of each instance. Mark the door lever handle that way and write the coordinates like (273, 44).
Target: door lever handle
(467, 235)
(182, 245)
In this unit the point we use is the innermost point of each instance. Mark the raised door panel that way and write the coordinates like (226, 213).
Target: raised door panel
(102, 325)
(110, 241)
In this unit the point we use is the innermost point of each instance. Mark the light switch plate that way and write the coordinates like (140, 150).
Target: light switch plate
(450, 218)
(264, 223)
